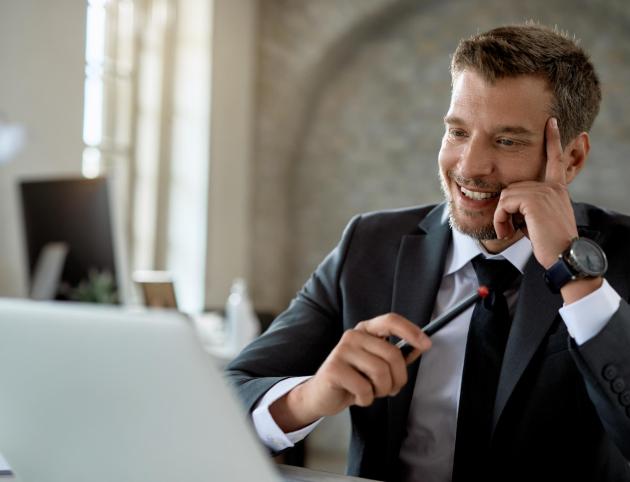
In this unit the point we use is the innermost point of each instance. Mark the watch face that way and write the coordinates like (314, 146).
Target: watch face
(588, 257)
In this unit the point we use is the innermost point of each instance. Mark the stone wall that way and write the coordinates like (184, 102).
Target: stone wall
(350, 100)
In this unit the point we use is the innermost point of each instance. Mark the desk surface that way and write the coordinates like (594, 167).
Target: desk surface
(295, 474)
(307, 475)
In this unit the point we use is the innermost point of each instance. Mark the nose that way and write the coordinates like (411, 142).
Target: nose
(476, 159)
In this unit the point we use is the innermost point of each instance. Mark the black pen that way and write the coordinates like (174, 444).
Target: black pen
(445, 318)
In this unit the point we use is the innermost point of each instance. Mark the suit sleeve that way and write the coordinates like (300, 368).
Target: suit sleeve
(604, 361)
(301, 337)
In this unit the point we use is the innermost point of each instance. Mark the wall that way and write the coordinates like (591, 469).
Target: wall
(41, 86)
(230, 178)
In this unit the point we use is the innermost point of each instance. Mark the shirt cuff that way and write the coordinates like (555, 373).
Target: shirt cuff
(587, 316)
(266, 427)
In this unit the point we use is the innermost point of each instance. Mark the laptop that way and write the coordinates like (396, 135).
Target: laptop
(101, 394)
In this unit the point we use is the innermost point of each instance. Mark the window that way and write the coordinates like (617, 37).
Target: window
(109, 56)
(146, 126)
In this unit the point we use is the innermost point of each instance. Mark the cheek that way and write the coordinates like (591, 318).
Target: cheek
(447, 157)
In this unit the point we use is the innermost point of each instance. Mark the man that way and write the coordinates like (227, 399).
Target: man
(557, 387)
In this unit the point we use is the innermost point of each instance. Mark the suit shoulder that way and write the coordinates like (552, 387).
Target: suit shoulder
(402, 220)
(611, 230)
(607, 221)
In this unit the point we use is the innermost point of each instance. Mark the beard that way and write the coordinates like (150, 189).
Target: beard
(456, 218)
(480, 233)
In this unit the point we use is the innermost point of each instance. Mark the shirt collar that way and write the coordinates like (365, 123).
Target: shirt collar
(464, 248)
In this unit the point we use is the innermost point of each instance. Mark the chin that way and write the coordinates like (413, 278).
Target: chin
(470, 224)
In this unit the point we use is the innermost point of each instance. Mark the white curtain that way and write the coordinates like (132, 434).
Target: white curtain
(151, 133)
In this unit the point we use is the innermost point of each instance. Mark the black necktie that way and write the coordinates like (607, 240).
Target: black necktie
(487, 336)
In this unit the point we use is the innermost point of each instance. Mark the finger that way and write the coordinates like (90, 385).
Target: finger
(373, 356)
(502, 220)
(374, 368)
(413, 356)
(392, 324)
(555, 170)
(509, 215)
(393, 359)
(355, 384)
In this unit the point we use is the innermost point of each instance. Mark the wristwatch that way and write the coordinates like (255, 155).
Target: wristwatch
(582, 259)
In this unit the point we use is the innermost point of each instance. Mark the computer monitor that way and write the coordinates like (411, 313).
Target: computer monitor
(70, 218)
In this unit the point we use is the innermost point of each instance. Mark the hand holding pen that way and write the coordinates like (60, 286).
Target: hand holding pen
(361, 367)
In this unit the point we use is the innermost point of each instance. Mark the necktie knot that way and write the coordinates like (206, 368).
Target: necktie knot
(496, 274)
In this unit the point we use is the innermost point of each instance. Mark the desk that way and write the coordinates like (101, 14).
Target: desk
(307, 475)
(295, 474)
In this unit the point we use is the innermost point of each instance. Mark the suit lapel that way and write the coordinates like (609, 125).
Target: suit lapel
(419, 269)
(535, 312)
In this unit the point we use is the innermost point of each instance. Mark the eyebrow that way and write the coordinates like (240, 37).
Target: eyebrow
(506, 129)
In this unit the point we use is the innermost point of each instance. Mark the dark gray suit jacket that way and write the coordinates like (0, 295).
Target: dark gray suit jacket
(562, 412)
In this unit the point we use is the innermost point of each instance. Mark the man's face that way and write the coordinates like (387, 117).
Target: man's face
(494, 136)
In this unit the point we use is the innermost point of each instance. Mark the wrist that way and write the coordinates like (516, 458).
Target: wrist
(579, 268)
(291, 412)
(578, 289)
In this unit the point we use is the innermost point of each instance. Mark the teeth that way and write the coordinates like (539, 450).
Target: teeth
(478, 195)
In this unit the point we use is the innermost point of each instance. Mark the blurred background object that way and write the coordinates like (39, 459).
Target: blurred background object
(157, 287)
(69, 241)
(242, 324)
(12, 139)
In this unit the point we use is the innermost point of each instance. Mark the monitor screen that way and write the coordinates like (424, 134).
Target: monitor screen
(73, 213)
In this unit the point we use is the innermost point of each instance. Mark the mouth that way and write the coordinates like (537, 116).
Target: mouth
(478, 195)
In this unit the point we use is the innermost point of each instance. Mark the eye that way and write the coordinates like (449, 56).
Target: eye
(457, 133)
(506, 142)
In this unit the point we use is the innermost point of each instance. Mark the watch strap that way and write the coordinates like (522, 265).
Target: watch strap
(558, 275)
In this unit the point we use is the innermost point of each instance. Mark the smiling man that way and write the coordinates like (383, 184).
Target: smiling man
(533, 382)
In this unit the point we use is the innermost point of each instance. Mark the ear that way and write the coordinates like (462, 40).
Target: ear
(575, 154)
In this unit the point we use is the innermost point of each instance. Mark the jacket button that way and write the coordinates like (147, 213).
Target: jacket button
(618, 385)
(624, 398)
(610, 372)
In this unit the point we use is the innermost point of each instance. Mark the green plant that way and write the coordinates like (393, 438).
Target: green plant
(99, 287)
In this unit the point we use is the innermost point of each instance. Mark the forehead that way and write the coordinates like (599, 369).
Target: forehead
(524, 99)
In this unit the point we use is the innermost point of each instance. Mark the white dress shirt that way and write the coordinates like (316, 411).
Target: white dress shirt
(427, 452)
